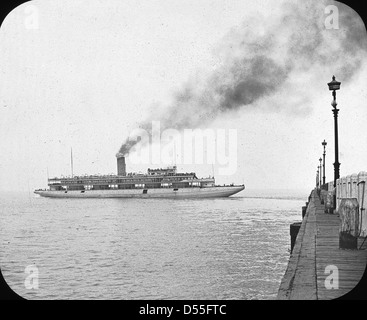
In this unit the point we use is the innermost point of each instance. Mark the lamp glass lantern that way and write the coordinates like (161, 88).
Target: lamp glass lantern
(334, 85)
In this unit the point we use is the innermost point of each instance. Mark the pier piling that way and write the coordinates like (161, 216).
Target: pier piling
(294, 228)
(304, 211)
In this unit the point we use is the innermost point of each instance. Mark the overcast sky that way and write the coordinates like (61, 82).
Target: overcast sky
(85, 74)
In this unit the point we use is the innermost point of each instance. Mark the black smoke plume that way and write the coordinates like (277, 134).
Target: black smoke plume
(264, 57)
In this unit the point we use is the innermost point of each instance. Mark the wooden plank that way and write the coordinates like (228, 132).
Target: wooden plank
(318, 247)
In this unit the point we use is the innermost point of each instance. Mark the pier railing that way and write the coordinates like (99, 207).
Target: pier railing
(354, 186)
(350, 187)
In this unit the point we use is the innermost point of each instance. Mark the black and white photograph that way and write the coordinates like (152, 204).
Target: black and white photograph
(183, 150)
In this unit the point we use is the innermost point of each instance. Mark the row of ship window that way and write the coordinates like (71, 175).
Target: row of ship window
(139, 184)
(130, 186)
(158, 180)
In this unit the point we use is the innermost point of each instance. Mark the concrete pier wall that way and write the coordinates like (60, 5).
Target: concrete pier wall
(349, 187)
(354, 186)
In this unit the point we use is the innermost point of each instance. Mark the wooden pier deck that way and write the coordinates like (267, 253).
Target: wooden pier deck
(316, 258)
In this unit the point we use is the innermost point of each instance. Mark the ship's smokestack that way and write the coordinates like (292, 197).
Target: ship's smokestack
(121, 165)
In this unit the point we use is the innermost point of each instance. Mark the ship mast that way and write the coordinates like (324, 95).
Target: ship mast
(174, 153)
(71, 162)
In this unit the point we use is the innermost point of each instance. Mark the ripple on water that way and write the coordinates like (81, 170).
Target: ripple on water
(114, 249)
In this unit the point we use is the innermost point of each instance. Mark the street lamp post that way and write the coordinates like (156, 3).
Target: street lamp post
(317, 178)
(320, 172)
(333, 86)
(318, 181)
(324, 143)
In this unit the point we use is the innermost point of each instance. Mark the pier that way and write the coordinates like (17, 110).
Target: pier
(329, 248)
(318, 269)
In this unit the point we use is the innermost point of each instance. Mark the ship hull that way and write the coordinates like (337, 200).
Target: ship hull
(210, 192)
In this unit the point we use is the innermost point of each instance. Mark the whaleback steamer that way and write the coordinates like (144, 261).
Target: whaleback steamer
(156, 183)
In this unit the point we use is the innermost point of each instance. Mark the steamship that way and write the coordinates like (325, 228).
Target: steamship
(156, 183)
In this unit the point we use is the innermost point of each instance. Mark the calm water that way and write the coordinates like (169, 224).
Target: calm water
(229, 248)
